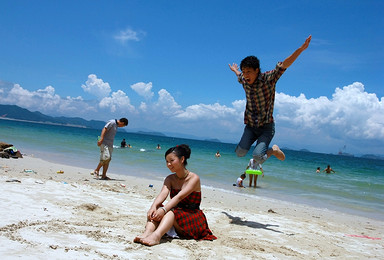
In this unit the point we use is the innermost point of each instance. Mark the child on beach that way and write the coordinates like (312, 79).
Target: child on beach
(253, 165)
(239, 182)
(260, 95)
(181, 214)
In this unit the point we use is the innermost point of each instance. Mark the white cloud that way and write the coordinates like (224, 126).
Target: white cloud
(351, 113)
(143, 106)
(207, 112)
(129, 35)
(320, 42)
(45, 101)
(45, 98)
(117, 101)
(166, 104)
(96, 86)
(143, 89)
(210, 118)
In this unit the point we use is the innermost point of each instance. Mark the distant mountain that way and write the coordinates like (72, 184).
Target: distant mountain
(18, 113)
(215, 140)
(150, 133)
(372, 156)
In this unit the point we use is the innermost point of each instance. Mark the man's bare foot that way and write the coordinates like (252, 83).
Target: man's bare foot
(278, 153)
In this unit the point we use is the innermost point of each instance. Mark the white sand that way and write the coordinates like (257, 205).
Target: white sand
(73, 216)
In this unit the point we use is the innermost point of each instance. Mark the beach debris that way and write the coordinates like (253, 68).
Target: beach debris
(364, 236)
(9, 151)
(4, 155)
(89, 206)
(122, 185)
(13, 180)
(54, 246)
(271, 211)
(29, 171)
(60, 172)
(150, 186)
(96, 173)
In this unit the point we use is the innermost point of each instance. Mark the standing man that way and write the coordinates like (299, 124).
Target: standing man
(106, 145)
(260, 93)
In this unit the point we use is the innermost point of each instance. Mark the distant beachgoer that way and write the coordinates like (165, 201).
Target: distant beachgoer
(106, 145)
(218, 154)
(123, 143)
(329, 169)
(260, 91)
(129, 146)
(158, 147)
(318, 170)
(253, 165)
(181, 214)
(239, 182)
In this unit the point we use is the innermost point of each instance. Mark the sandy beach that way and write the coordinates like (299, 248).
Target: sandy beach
(71, 215)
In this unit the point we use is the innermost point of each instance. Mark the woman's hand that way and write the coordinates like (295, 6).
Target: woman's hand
(151, 212)
(158, 215)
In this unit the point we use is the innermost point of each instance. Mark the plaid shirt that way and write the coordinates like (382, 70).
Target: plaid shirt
(261, 97)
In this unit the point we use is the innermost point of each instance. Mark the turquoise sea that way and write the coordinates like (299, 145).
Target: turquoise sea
(357, 187)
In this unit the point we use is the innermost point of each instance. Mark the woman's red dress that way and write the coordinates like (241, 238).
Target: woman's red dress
(190, 218)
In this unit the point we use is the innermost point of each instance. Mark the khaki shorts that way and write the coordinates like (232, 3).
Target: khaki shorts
(105, 153)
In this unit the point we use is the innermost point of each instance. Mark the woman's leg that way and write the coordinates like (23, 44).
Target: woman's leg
(150, 227)
(165, 224)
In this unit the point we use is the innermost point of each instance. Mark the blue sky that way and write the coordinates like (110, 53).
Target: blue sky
(164, 66)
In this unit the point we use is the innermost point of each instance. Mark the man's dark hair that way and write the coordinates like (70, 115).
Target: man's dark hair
(250, 62)
(124, 120)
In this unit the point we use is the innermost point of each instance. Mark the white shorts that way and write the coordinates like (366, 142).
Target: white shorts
(105, 153)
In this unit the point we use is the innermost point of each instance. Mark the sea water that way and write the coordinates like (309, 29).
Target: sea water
(357, 187)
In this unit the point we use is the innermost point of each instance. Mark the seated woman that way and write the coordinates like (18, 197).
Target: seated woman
(182, 212)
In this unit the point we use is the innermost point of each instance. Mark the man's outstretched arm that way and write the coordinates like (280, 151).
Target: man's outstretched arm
(288, 61)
